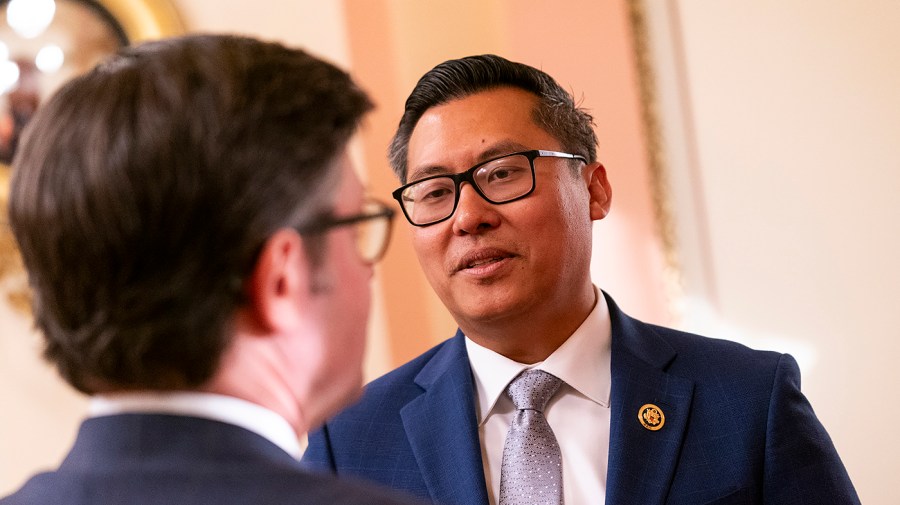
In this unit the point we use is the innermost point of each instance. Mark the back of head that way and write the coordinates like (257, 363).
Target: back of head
(143, 191)
(556, 112)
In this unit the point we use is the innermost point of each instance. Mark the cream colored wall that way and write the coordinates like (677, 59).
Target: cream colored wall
(315, 25)
(782, 121)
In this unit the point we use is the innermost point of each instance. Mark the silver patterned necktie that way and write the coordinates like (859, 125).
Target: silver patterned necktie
(531, 471)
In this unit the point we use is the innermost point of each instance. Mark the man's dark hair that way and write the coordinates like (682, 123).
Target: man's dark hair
(556, 111)
(144, 190)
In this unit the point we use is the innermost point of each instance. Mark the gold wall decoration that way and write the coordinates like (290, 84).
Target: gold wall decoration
(145, 19)
(662, 205)
(79, 34)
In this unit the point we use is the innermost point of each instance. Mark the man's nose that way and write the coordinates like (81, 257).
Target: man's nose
(473, 213)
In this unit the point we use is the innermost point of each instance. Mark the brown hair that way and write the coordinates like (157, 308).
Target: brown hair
(556, 111)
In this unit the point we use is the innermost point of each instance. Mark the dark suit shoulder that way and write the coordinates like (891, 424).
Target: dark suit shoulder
(636, 344)
(154, 484)
(700, 357)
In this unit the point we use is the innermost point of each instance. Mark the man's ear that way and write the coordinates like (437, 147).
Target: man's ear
(599, 190)
(278, 286)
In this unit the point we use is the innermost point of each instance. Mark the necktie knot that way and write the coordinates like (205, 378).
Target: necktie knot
(532, 389)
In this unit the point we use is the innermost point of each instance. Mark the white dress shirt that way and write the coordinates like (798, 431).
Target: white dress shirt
(578, 414)
(226, 409)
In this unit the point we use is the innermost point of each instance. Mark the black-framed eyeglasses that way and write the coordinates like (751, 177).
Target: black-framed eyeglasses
(372, 228)
(498, 180)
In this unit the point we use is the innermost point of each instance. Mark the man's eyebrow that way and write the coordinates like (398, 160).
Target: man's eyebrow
(427, 171)
(501, 148)
(494, 151)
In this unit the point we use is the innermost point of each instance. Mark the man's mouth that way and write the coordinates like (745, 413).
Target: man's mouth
(482, 258)
(483, 262)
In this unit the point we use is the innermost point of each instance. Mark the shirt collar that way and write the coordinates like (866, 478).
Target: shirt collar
(226, 409)
(582, 362)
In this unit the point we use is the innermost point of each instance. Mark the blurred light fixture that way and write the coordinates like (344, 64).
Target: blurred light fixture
(49, 59)
(9, 75)
(29, 18)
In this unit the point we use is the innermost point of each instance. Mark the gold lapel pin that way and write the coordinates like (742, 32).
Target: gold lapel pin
(651, 417)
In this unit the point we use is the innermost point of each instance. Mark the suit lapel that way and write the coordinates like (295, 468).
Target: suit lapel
(441, 426)
(641, 461)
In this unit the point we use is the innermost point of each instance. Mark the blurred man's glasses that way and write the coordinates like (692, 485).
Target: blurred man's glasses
(499, 180)
(372, 228)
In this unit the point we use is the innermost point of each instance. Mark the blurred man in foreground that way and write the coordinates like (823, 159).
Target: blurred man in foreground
(200, 249)
(549, 393)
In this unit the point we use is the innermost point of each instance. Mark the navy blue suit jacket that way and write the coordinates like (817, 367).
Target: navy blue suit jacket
(737, 428)
(161, 459)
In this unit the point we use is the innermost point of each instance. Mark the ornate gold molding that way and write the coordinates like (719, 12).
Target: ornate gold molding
(656, 156)
(12, 274)
(140, 20)
(145, 19)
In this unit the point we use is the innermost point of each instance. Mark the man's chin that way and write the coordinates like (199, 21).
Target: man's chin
(485, 312)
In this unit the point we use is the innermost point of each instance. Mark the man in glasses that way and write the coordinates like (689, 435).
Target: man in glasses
(549, 393)
(200, 251)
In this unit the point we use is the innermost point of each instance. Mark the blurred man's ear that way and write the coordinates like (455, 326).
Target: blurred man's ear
(279, 285)
(599, 189)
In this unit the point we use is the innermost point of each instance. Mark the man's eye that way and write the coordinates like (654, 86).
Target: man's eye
(502, 173)
(436, 193)
(431, 191)
(505, 173)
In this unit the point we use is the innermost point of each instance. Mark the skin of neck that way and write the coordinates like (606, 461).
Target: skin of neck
(531, 336)
(254, 368)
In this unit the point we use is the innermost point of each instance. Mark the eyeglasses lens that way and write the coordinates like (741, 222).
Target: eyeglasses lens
(372, 235)
(499, 180)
